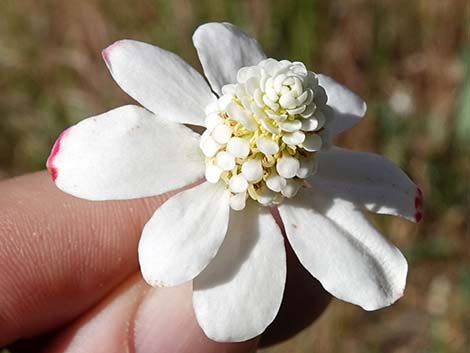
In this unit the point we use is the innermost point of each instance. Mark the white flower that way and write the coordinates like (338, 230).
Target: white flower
(266, 144)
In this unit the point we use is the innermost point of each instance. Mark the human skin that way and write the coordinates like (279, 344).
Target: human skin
(70, 281)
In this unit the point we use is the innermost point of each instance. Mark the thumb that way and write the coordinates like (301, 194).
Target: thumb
(140, 319)
(60, 255)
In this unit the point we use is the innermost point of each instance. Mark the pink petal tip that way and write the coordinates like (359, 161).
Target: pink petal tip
(55, 149)
(418, 216)
(106, 52)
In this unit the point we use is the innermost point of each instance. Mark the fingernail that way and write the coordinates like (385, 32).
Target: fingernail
(165, 322)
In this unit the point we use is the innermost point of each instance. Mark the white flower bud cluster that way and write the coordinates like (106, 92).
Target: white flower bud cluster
(263, 132)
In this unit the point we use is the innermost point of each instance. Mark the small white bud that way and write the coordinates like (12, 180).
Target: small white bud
(312, 142)
(239, 147)
(269, 126)
(238, 201)
(265, 196)
(238, 184)
(267, 146)
(276, 182)
(288, 101)
(310, 124)
(290, 125)
(208, 146)
(213, 173)
(307, 167)
(222, 133)
(294, 138)
(292, 188)
(298, 110)
(243, 117)
(309, 110)
(225, 160)
(287, 166)
(252, 169)
(212, 120)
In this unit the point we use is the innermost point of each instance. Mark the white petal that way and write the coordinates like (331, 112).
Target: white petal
(298, 110)
(123, 154)
(258, 98)
(348, 106)
(239, 294)
(339, 247)
(267, 146)
(223, 49)
(252, 169)
(294, 138)
(257, 111)
(212, 108)
(370, 180)
(288, 100)
(287, 166)
(270, 103)
(184, 235)
(265, 123)
(308, 112)
(161, 81)
(290, 125)
(252, 84)
(313, 123)
(275, 116)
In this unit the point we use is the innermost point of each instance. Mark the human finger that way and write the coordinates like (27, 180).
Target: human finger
(59, 255)
(140, 319)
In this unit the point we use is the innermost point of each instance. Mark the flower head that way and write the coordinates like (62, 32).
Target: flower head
(264, 130)
(266, 144)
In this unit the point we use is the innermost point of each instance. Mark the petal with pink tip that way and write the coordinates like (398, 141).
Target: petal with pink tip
(125, 153)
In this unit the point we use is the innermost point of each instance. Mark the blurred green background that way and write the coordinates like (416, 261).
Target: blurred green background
(410, 60)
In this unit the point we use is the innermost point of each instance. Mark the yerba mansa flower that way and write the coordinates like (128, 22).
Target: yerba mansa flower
(266, 145)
